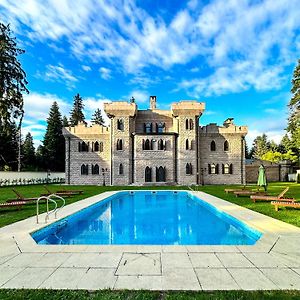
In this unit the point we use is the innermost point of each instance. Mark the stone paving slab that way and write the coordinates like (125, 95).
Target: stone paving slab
(234, 260)
(176, 260)
(283, 278)
(95, 279)
(30, 278)
(140, 264)
(7, 273)
(24, 259)
(216, 279)
(180, 279)
(205, 260)
(92, 260)
(63, 278)
(144, 282)
(251, 279)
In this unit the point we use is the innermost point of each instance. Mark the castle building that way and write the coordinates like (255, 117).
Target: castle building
(155, 147)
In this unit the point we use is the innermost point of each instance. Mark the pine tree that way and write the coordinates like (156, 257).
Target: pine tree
(8, 146)
(260, 146)
(28, 153)
(285, 144)
(65, 122)
(77, 111)
(12, 77)
(53, 150)
(97, 117)
(294, 105)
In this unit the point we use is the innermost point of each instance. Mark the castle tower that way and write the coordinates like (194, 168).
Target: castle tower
(122, 115)
(152, 102)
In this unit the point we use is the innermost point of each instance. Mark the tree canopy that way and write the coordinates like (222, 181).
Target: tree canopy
(28, 153)
(97, 117)
(12, 77)
(77, 111)
(53, 150)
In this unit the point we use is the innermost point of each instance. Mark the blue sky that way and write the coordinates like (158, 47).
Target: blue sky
(237, 56)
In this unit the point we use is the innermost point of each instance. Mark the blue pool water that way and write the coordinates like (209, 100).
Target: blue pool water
(149, 218)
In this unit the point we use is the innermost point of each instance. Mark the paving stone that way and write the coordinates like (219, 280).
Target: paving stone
(176, 260)
(234, 260)
(24, 259)
(7, 273)
(93, 260)
(205, 260)
(7, 257)
(180, 279)
(216, 279)
(265, 260)
(95, 279)
(64, 278)
(29, 278)
(140, 264)
(49, 260)
(283, 278)
(252, 279)
(139, 282)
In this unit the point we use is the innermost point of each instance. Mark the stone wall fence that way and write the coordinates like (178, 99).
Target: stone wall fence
(25, 178)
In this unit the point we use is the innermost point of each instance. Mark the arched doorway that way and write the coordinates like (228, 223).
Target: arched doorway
(148, 174)
(160, 174)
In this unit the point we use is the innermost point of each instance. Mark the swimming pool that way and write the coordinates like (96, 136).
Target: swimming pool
(148, 218)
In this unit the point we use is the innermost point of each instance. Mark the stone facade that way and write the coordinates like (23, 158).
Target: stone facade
(155, 147)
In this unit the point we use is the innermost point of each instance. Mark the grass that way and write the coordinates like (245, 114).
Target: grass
(289, 215)
(141, 295)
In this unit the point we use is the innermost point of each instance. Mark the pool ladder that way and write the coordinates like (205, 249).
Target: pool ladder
(55, 210)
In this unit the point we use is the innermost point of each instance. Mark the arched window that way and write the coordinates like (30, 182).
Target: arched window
(212, 169)
(213, 146)
(147, 145)
(160, 174)
(79, 147)
(121, 169)
(84, 147)
(96, 147)
(161, 145)
(101, 146)
(187, 124)
(227, 168)
(148, 174)
(84, 169)
(95, 169)
(187, 144)
(188, 169)
(191, 124)
(226, 146)
(119, 144)
(120, 124)
(148, 127)
(160, 127)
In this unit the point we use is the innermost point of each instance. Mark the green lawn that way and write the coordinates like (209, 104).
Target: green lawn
(292, 216)
(142, 295)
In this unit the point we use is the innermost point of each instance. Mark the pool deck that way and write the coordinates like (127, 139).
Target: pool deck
(272, 263)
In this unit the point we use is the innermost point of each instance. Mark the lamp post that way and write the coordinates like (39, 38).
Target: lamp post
(104, 170)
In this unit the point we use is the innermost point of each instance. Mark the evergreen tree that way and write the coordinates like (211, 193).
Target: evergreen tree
(53, 150)
(12, 77)
(247, 152)
(28, 153)
(65, 122)
(294, 105)
(8, 146)
(77, 111)
(260, 146)
(97, 117)
(285, 144)
(40, 163)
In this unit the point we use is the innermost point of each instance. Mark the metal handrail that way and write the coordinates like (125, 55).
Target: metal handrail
(59, 208)
(37, 207)
(53, 210)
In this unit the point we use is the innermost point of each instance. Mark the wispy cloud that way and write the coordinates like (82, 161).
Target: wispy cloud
(58, 74)
(105, 73)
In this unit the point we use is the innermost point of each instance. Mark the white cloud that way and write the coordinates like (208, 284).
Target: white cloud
(105, 73)
(140, 96)
(86, 68)
(59, 74)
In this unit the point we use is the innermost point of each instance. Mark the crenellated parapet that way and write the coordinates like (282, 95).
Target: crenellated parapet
(188, 108)
(120, 109)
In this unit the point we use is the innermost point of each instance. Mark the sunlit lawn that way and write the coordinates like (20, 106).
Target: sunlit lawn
(10, 215)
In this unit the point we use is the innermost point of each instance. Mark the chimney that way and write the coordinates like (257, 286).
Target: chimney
(152, 102)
